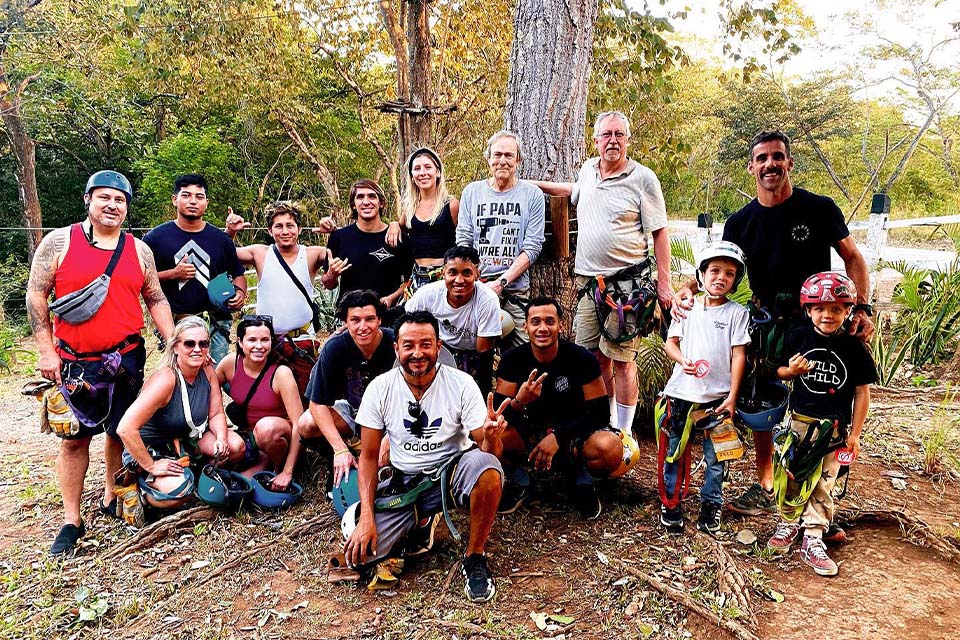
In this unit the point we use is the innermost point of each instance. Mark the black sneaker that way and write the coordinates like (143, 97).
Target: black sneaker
(110, 509)
(754, 501)
(479, 586)
(512, 497)
(671, 519)
(420, 540)
(586, 501)
(66, 540)
(709, 520)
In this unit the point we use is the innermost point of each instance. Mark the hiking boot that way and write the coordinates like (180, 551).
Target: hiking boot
(586, 501)
(512, 497)
(784, 536)
(709, 520)
(671, 519)
(835, 535)
(814, 553)
(479, 586)
(754, 501)
(66, 539)
(420, 540)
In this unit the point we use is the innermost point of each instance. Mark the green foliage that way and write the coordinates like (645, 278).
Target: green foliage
(653, 369)
(940, 438)
(889, 354)
(929, 319)
(201, 151)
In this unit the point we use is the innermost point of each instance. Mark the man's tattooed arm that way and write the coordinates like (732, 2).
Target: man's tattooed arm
(152, 293)
(39, 286)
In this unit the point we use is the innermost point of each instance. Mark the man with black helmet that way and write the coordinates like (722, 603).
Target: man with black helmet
(103, 348)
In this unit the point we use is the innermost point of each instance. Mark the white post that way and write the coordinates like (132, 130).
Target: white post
(876, 241)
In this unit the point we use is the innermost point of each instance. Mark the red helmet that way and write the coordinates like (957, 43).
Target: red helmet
(828, 286)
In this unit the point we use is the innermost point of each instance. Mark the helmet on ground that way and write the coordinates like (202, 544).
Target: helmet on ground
(349, 520)
(630, 457)
(220, 290)
(722, 249)
(347, 492)
(265, 497)
(110, 180)
(828, 286)
(223, 488)
(763, 410)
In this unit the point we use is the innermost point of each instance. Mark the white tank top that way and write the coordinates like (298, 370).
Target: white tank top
(279, 297)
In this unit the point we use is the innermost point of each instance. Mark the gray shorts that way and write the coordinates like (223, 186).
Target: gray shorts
(346, 411)
(393, 526)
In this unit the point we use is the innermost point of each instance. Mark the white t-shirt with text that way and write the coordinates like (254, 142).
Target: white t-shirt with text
(460, 327)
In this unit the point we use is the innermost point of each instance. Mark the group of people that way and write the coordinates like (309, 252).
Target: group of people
(423, 303)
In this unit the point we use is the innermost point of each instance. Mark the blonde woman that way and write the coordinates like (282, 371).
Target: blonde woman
(428, 218)
(179, 411)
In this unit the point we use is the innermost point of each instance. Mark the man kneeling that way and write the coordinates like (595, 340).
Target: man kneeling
(434, 418)
(558, 414)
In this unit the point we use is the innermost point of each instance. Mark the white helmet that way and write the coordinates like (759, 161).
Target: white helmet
(507, 324)
(722, 249)
(349, 520)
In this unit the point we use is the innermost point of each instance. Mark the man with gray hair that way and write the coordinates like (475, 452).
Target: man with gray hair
(618, 203)
(502, 218)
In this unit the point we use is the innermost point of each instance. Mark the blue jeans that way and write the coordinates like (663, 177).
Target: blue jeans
(712, 489)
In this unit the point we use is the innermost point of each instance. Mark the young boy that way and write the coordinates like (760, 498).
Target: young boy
(832, 371)
(710, 349)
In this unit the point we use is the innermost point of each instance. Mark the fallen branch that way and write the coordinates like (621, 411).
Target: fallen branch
(446, 583)
(914, 529)
(153, 533)
(731, 581)
(684, 599)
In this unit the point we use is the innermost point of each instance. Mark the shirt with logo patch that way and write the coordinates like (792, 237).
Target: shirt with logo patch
(425, 434)
(842, 363)
(786, 244)
(341, 371)
(373, 263)
(210, 250)
(561, 397)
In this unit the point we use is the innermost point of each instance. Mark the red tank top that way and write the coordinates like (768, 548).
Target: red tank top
(265, 401)
(120, 315)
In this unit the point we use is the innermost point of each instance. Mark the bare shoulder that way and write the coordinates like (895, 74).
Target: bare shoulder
(145, 255)
(47, 258)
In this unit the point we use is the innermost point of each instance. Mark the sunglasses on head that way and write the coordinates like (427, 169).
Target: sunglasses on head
(258, 318)
(413, 408)
(192, 344)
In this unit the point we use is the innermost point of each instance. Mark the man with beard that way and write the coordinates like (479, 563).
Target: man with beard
(104, 349)
(348, 361)
(469, 316)
(278, 295)
(190, 253)
(438, 427)
(786, 234)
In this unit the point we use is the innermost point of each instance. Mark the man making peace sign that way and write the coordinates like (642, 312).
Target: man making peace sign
(435, 418)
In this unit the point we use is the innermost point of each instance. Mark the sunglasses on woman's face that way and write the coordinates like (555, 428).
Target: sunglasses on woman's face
(193, 344)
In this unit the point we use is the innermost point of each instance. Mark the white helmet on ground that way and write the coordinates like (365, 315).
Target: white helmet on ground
(349, 520)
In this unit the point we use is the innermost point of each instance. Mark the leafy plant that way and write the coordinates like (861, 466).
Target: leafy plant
(889, 355)
(90, 608)
(940, 438)
(653, 369)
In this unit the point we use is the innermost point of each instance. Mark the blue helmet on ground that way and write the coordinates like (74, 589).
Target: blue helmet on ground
(265, 497)
(220, 290)
(223, 488)
(347, 492)
(110, 180)
(765, 408)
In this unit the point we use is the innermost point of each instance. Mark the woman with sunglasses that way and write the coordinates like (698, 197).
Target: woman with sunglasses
(428, 218)
(178, 413)
(267, 398)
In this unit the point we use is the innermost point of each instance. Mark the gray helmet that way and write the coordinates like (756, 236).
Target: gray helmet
(111, 180)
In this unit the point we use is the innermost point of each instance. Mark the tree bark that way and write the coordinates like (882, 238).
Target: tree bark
(24, 156)
(547, 88)
(417, 120)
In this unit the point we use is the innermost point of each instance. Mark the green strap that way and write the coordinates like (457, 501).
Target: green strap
(660, 412)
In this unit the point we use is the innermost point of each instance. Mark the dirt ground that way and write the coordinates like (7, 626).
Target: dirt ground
(213, 575)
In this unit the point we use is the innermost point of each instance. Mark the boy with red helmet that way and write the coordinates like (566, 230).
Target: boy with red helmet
(832, 372)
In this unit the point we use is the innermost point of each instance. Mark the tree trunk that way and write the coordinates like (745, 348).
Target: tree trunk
(25, 159)
(547, 89)
(415, 123)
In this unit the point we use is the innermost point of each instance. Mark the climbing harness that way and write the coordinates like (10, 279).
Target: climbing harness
(625, 302)
(798, 461)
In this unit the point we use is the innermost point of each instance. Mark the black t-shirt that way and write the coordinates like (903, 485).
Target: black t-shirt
(561, 398)
(210, 250)
(432, 239)
(787, 243)
(342, 373)
(842, 364)
(374, 264)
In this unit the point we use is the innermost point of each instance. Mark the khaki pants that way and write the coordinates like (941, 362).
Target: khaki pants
(818, 512)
